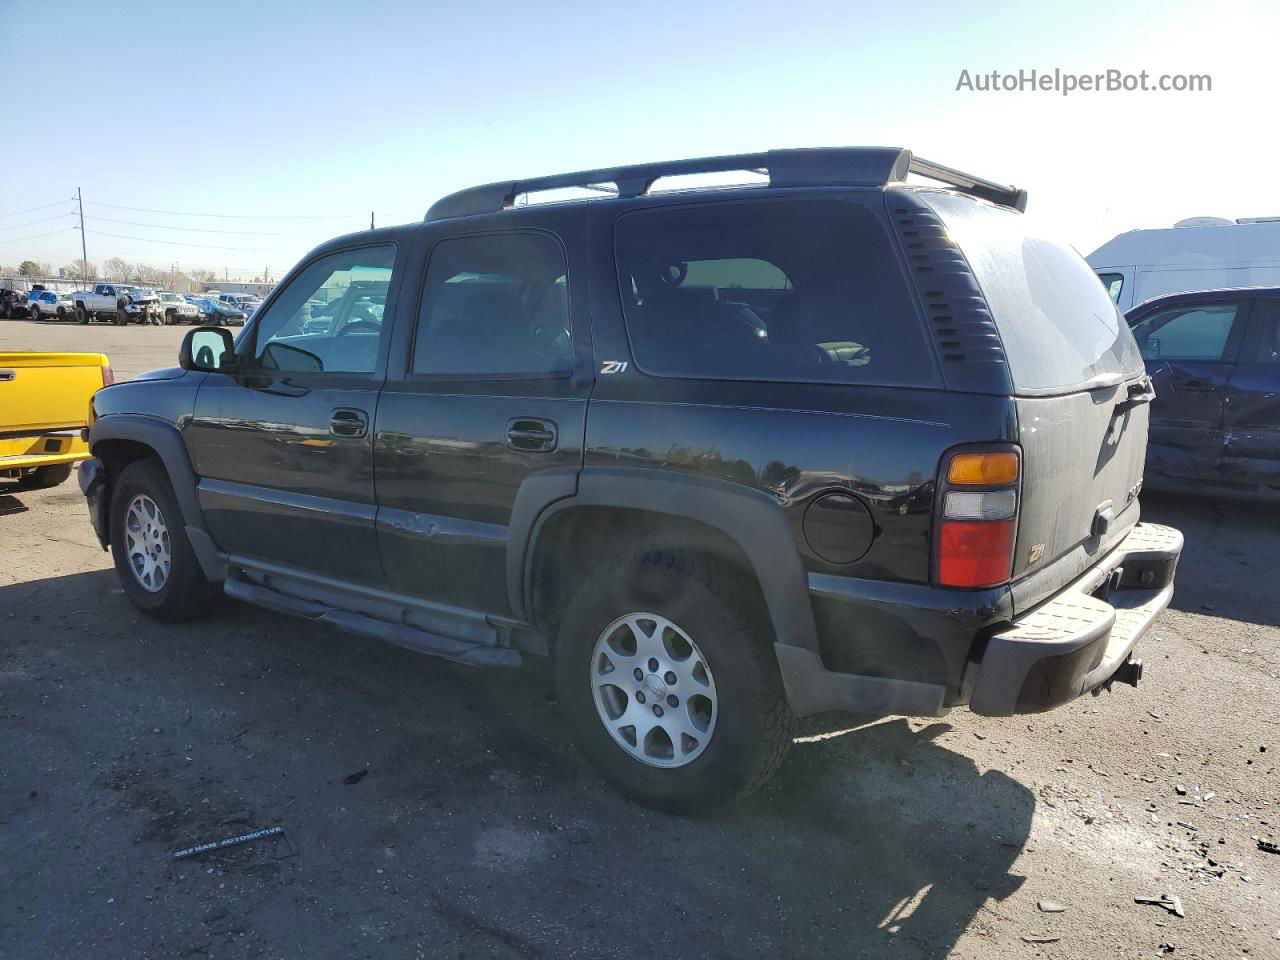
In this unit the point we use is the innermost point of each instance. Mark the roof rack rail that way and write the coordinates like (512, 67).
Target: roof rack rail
(820, 166)
(1000, 193)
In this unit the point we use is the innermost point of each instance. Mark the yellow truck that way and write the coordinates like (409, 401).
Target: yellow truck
(44, 405)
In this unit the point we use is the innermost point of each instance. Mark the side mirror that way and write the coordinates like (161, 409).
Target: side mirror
(208, 349)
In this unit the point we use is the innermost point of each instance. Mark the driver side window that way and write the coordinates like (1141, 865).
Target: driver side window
(330, 317)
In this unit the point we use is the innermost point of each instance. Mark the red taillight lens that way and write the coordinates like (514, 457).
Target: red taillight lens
(108, 376)
(975, 554)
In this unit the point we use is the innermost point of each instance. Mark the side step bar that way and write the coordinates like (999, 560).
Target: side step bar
(402, 635)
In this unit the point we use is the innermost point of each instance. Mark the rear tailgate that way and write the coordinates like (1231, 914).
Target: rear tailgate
(1080, 391)
(1082, 457)
(43, 392)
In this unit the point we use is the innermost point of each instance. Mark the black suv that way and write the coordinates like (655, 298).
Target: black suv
(825, 441)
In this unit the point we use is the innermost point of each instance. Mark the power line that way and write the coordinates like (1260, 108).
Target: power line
(228, 216)
(36, 236)
(161, 226)
(175, 243)
(45, 206)
(27, 223)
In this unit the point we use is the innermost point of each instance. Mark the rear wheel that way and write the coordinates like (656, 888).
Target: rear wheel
(153, 557)
(42, 478)
(666, 671)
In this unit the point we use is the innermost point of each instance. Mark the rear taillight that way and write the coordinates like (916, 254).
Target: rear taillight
(108, 376)
(977, 518)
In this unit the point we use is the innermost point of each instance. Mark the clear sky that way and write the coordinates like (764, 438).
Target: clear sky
(336, 109)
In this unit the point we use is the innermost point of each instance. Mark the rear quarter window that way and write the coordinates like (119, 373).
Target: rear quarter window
(784, 290)
(1060, 329)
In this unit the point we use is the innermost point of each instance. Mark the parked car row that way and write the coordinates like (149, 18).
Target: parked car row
(122, 303)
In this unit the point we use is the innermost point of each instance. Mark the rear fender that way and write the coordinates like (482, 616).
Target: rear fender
(750, 518)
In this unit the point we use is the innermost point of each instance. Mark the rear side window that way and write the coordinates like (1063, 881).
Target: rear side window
(1060, 329)
(790, 290)
(495, 305)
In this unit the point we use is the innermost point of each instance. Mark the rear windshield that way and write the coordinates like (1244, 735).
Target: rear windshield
(791, 290)
(1059, 326)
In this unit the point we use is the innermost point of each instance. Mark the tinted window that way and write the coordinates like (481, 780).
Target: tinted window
(1266, 346)
(1059, 327)
(796, 290)
(1187, 332)
(1114, 283)
(495, 305)
(329, 317)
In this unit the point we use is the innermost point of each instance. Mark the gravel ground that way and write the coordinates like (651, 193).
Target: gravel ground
(478, 831)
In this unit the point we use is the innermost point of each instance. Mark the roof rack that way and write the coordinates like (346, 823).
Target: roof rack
(821, 166)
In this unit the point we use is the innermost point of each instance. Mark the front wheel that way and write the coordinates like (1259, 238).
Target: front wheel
(82, 315)
(35, 313)
(666, 672)
(153, 557)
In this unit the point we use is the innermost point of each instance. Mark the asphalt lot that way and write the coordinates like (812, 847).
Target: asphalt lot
(478, 831)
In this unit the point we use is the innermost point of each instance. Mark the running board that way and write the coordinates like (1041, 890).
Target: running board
(459, 651)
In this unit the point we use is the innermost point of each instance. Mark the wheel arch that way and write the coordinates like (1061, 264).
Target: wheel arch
(120, 439)
(651, 507)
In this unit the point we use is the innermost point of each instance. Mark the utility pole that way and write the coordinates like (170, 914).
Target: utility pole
(371, 226)
(84, 256)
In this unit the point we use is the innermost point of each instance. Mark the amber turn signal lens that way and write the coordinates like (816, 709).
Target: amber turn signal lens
(983, 468)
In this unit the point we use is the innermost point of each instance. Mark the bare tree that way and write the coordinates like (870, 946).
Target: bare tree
(201, 276)
(78, 270)
(145, 273)
(116, 269)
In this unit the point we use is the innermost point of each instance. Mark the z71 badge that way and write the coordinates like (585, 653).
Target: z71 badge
(613, 366)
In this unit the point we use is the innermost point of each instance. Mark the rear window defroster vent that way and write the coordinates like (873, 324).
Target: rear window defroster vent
(958, 316)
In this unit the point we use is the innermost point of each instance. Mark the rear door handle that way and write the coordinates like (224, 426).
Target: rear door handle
(532, 434)
(349, 422)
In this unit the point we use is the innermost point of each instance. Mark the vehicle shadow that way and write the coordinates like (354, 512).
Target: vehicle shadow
(1231, 548)
(440, 808)
(9, 503)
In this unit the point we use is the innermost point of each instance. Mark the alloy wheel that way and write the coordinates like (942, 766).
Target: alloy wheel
(147, 543)
(653, 690)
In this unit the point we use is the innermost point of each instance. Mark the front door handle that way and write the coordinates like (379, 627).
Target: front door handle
(531, 434)
(349, 422)
(1194, 386)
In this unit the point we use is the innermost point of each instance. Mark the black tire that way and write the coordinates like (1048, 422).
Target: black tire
(41, 478)
(184, 593)
(82, 315)
(722, 612)
(170, 317)
(35, 312)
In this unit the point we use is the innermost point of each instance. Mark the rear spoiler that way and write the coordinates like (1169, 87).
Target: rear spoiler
(820, 166)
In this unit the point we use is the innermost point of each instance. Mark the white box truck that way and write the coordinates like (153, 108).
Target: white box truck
(1203, 253)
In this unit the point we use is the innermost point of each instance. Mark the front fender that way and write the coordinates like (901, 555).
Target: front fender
(164, 439)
